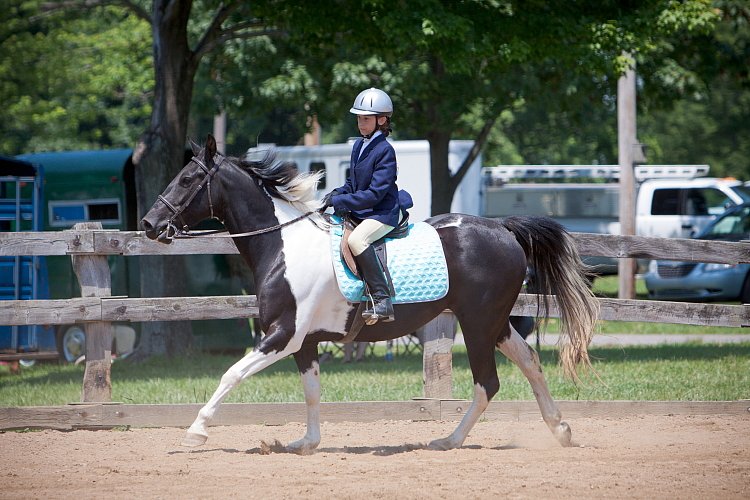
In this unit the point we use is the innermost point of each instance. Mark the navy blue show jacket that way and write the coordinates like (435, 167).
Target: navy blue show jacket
(370, 191)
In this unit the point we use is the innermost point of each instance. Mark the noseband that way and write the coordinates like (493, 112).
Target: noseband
(172, 230)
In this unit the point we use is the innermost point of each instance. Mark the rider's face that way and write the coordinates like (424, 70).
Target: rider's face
(367, 123)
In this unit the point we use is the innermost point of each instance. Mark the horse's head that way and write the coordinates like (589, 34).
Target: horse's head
(187, 199)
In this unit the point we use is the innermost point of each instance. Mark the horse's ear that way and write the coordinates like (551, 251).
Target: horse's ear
(194, 146)
(210, 147)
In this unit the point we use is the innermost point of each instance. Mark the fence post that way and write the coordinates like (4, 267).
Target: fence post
(95, 279)
(437, 361)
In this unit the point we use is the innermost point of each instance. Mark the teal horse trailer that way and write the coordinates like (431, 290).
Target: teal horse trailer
(82, 186)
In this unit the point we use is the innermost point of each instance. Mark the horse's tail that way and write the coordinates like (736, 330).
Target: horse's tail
(558, 270)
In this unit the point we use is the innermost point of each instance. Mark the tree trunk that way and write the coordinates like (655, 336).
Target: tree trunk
(158, 157)
(445, 182)
(442, 187)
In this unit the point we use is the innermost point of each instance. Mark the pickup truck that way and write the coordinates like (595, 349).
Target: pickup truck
(672, 201)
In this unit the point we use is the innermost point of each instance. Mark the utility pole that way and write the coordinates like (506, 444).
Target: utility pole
(630, 152)
(220, 131)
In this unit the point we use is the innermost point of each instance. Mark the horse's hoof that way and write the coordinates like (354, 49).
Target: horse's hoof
(563, 434)
(441, 445)
(303, 451)
(301, 447)
(191, 440)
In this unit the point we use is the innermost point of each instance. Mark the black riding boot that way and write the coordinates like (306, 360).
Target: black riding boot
(372, 273)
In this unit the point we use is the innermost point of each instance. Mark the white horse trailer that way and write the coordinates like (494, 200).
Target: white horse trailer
(413, 170)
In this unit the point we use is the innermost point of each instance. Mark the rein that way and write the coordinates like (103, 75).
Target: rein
(218, 233)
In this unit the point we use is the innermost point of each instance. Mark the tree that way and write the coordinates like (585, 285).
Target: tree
(70, 82)
(443, 61)
(710, 122)
(158, 155)
(180, 40)
(693, 90)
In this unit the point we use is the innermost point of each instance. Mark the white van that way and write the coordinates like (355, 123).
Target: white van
(414, 173)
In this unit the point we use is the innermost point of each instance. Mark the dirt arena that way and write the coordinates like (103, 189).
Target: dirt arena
(701, 457)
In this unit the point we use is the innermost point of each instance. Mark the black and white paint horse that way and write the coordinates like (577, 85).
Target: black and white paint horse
(273, 211)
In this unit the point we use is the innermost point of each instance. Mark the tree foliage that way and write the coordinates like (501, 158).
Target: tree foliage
(454, 67)
(76, 83)
(692, 107)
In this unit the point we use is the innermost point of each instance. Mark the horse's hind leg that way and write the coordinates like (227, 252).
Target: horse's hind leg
(477, 407)
(525, 357)
(486, 384)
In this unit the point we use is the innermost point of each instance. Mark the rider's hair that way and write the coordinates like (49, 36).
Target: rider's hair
(385, 128)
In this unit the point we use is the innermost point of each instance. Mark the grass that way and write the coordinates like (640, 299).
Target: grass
(607, 286)
(689, 372)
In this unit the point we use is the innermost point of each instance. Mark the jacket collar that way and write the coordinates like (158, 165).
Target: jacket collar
(371, 144)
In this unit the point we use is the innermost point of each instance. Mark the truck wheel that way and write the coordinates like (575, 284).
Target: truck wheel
(745, 293)
(71, 343)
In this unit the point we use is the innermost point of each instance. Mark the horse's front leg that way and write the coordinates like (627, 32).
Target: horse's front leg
(525, 357)
(252, 363)
(309, 369)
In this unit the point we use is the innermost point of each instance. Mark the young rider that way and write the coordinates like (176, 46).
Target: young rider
(371, 195)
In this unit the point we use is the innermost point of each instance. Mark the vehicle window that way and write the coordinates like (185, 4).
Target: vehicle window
(67, 213)
(665, 202)
(318, 166)
(716, 201)
(695, 202)
(735, 225)
(104, 211)
(743, 191)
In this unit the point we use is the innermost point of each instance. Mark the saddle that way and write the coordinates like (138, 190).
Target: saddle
(417, 271)
(379, 246)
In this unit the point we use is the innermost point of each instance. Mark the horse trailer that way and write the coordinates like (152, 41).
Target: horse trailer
(414, 171)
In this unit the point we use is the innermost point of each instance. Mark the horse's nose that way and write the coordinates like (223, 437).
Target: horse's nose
(148, 227)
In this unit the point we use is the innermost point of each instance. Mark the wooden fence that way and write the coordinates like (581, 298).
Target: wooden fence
(89, 245)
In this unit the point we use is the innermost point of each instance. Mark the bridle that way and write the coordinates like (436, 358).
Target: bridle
(173, 232)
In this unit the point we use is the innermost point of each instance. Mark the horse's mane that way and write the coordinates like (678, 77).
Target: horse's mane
(283, 180)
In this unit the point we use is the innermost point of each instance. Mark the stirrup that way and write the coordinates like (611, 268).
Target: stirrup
(371, 316)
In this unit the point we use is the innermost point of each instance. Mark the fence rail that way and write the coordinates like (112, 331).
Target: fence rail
(129, 243)
(89, 245)
(85, 309)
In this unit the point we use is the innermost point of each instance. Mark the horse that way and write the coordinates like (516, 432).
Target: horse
(271, 211)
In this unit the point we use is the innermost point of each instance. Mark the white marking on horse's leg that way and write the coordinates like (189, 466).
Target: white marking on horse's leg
(456, 439)
(311, 387)
(250, 364)
(525, 357)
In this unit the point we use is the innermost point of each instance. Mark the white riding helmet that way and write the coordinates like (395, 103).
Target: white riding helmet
(372, 102)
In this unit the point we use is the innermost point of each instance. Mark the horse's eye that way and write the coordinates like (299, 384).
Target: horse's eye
(185, 181)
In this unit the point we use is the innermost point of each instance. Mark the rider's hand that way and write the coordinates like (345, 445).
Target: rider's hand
(326, 202)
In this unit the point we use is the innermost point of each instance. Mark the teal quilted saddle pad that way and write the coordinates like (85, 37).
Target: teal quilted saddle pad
(416, 264)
